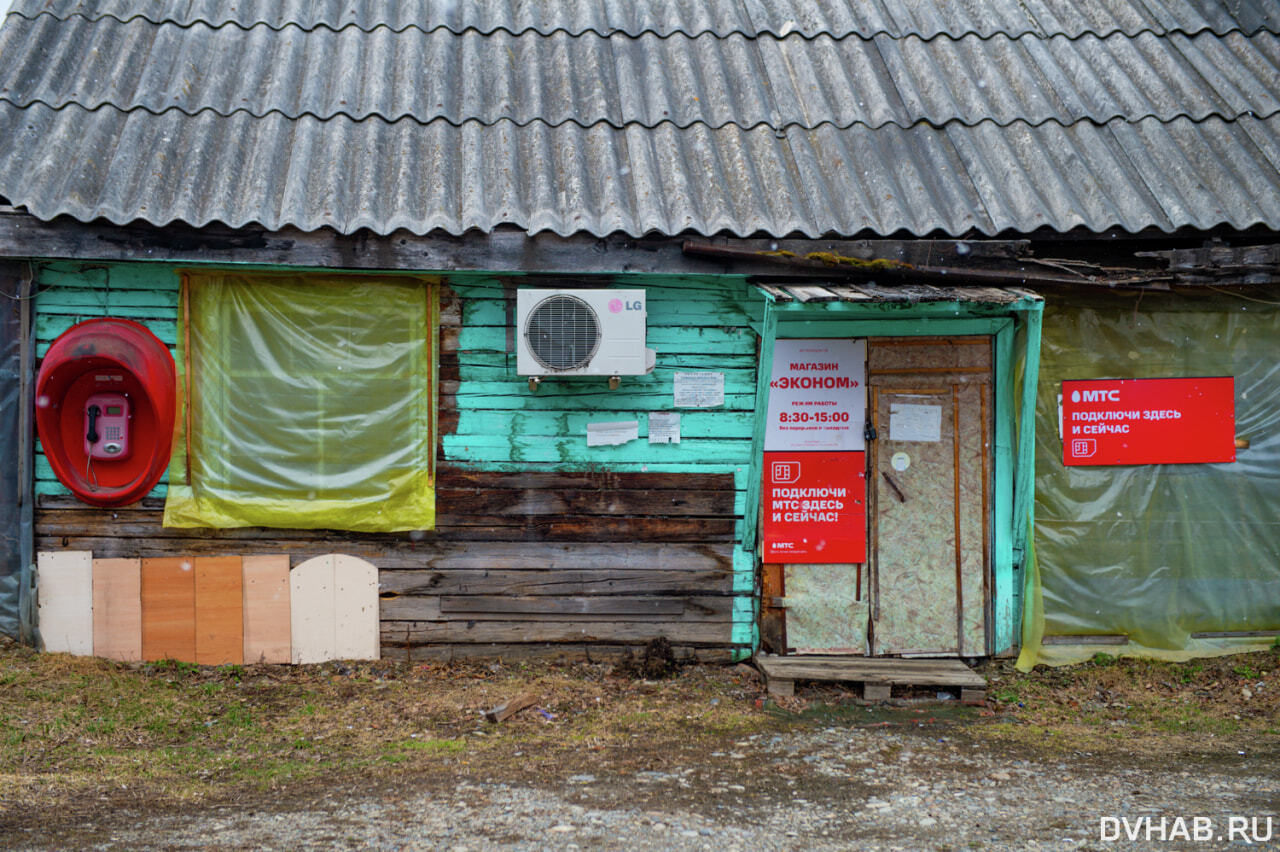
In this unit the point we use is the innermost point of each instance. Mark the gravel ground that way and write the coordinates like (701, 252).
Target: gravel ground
(871, 788)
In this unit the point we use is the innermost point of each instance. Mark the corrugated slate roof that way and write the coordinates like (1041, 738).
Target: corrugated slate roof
(557, 79)
(837, 18)
(817, 117)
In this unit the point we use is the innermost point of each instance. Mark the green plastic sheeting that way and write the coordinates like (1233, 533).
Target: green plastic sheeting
(1157, 553)
(310, 403)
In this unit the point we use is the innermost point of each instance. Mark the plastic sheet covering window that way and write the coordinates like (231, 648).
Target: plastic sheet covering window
(309, 403)
(1158, 553)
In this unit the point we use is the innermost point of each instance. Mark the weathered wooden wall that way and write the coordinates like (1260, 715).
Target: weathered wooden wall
(543, 546)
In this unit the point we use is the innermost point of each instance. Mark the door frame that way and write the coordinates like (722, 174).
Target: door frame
(1015, 329)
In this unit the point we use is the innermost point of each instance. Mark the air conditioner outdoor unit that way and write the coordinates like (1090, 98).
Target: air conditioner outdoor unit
(581, 333)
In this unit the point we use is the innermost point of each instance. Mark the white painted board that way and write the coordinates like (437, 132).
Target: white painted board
(311, 610)
(333, 609)
(355, 584)
(65, 597)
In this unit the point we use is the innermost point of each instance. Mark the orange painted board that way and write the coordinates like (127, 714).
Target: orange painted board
(219, 617)
(169, 609)
(117, 609)
(266, 609)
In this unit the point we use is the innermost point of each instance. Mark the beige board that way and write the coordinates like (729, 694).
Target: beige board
(824, 612)
(117, 609)
(266, 609)
(65, 601)
(930, 485)
(334, 609)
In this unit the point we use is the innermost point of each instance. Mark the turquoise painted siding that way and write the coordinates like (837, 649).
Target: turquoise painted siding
(694, 323)
(701, 323)
(72, 292)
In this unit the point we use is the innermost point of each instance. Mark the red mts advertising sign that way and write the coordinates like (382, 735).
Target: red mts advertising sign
(1148, 421)
(814, 508)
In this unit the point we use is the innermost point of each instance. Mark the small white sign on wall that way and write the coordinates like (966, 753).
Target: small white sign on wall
(909, 422)
(699, 390)
(664, 427)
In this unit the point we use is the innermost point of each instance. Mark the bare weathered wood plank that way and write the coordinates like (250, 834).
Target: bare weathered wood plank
(406, 554)
(689, 608)
(408, 633)
(54, 530)
(878, 670)
(623, 579)
(510, 653)
(559, 606)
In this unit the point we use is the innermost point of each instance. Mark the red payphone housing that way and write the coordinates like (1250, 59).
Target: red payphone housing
(106, 399)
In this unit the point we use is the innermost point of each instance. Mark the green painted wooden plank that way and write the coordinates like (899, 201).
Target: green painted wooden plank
(693, 424)
(702, 340)
(493, 312)
(770, 329)
(900, 327)
(890, 310)
(1002, 568)
(125, 276)
(60, 299)
(565, 450)
(84, 312)
(744, 571)
(595, 467)
(739, 376)
(1024, 476)
(49, 326)
(657, 400)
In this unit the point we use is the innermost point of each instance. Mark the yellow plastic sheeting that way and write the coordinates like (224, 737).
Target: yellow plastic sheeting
(1157, 553)
(309, 403)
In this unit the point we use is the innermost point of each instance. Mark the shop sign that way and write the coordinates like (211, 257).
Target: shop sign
(817, 396)
(1148, 421)
(814, 508)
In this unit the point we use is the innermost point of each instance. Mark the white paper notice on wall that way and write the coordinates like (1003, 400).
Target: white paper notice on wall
(909, 422)
(664, 427)
(699, 390)
(612, 432)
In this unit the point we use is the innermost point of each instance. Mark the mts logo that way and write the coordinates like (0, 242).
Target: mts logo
(1095, 396)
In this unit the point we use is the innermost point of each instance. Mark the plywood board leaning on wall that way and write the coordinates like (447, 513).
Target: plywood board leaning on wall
(334, 609)
(266, 609)
(117, 609)
(66, 601)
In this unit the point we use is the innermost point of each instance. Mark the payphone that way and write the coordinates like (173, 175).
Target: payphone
(106, 426)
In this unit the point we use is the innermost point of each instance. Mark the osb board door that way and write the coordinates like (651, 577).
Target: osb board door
(65, 595)
(826, 609)
(931, 493)
(117, 609)
(266, 609)
(169, 609)
(219, 612)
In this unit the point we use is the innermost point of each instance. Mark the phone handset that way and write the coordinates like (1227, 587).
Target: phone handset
(92, 435)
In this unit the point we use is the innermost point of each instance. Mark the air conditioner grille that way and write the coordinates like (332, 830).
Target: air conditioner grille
(563, 332)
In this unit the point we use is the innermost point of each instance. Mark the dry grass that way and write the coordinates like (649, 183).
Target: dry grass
(80, 735)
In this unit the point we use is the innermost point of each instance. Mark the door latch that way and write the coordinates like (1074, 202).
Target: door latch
(868, 432)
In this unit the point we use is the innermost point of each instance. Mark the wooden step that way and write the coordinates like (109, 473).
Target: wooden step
(877, 674)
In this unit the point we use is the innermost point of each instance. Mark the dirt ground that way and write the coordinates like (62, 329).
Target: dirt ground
(382, 755)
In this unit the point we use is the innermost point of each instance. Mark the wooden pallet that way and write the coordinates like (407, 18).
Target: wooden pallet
(878, 675)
